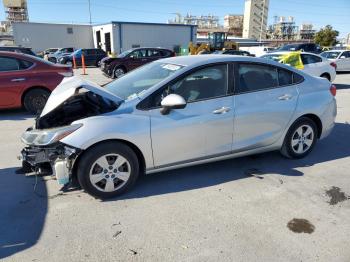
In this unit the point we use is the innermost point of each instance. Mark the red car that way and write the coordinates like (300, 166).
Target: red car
(28, 81)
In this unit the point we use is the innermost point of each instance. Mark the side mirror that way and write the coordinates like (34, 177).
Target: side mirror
(342, 57)
(172, 101)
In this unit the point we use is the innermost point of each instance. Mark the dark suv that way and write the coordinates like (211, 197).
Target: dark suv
(131, 59)
(17, 49)
(92, 57)
(311, 48)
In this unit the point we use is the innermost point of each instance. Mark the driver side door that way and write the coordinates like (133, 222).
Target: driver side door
(202, 129)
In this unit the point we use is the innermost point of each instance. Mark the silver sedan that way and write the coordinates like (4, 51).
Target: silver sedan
(177, 112)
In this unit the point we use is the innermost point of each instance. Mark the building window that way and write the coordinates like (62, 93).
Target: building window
(69, 30)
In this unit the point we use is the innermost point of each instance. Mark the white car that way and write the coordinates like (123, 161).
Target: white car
(314, 65)
(340, 57)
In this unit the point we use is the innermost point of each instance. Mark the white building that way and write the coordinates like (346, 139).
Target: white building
(117, 37)
(255, 18)
(40, 36)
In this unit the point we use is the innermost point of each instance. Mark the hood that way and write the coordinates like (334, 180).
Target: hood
(71, 86)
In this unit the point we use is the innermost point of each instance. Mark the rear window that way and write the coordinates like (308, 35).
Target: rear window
(285, 77)
(255, 77)
(8, 64)
(297, 78)
(310, 59)
(25, 64)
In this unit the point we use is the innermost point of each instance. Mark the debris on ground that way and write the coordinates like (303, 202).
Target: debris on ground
(254, 172)
(117, 233)
(300, 225)
(336, 195)
(133, 251)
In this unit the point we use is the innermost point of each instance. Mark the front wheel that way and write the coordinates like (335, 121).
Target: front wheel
(300, 139)
(108, 170)
(118, 72)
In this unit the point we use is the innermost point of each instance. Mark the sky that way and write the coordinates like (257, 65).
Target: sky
(318, 12)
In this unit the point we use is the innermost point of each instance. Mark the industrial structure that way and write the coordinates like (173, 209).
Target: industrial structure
(234, 23)
(202, 21)
(283, 29)
(306, 31)
(255, 19)
(16, 10)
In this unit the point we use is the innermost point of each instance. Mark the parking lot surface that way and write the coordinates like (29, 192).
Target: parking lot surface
(257, 208)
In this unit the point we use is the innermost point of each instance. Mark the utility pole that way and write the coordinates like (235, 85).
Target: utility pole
(90, 11)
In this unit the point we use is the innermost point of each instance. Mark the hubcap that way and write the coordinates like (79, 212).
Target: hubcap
(302, 139)
(118, 72)
(110, 172)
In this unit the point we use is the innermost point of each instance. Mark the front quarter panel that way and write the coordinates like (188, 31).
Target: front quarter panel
(134, 128)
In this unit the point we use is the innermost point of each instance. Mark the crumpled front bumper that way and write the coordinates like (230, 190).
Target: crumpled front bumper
(60, 157)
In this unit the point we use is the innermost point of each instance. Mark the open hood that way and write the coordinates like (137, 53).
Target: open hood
(71, 86)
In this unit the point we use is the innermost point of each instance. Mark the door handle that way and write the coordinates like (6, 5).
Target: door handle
(18, 79)
(221, 110)
(285, 97)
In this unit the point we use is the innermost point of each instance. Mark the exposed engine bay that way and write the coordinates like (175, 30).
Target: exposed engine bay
(80, 106)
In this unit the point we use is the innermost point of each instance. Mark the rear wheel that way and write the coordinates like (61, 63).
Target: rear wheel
(35, 100)
(107, 170)
(118, 72)
(300, 139)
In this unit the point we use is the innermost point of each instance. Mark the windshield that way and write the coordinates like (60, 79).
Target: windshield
(331, 55)
(125, 53)
(288, 48)
(133, 84)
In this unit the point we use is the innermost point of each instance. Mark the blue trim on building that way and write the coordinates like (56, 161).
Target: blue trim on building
(143, 23)
(191, 37)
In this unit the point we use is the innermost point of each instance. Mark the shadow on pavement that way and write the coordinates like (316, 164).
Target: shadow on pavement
(22, 211)
(335, 146)
(342, 86)
(15, 114)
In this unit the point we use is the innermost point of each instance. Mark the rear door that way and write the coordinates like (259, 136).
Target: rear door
(265, 99)
(12, 81)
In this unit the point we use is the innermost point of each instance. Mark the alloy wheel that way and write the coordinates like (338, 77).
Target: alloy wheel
(110, 172)
(302, 139)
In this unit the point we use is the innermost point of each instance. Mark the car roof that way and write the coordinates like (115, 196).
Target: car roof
(197, 60)
(17, 55)
(14, 47)
(286, 52)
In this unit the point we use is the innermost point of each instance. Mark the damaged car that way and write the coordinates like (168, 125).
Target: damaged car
(173, 113)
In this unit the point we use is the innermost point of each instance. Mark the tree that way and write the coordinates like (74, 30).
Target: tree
(326, 36)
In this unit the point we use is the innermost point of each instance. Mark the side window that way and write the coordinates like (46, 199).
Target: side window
(69, 50)
(8, 64)
(154, 53)
(310, 59)
(285, 77)
(139, 53)
(346, 54)
(255, 77)
(297, 78)
(206, 83)
(23, 64)
(165, 52)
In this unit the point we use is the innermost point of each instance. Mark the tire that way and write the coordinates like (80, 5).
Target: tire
(118, 72)
(69, 63)
(300, 139)
(327, 76)
(101, 176)
(34, 100)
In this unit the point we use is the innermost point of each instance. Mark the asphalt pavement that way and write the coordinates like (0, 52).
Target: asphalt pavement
(257, 208)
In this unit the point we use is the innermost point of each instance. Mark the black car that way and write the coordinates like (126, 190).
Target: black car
(18, 49)
(92, 57)
(309, 47)
(131, 59)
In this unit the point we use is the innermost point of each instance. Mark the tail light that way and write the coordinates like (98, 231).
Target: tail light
(333, 90)
(334, 65)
